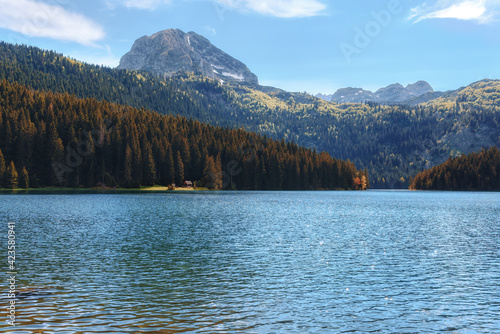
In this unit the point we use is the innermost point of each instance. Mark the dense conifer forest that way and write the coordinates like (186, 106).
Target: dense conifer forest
(393, 143)
(54, 139)
(474, 171)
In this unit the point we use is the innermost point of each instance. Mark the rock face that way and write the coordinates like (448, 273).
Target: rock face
(394, 93)
(420, 88)
(169, 51)
(352, 95)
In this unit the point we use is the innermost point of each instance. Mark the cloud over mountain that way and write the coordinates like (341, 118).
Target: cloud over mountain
(38, 19)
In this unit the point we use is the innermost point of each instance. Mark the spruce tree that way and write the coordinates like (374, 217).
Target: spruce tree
(149, 166)
(179, 170)
(11, 179)
(2, 170)
(24, 180)
(127, 168)
(58, 177)
(168, 170)
(212, 176)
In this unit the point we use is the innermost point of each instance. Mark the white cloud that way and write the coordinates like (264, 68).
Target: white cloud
(278, 8)
(38, 19)
(144, 4)
(469, 10)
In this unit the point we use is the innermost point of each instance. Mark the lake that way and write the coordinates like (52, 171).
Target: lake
(255, 262)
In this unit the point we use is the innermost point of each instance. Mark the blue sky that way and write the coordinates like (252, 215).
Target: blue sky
(298, 45)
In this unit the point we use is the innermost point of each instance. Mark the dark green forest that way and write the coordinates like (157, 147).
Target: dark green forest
(54, 139)
(393, 143)
(474, 171)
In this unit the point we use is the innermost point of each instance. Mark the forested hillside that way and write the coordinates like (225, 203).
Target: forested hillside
(392, 142)
(475, 171)
(53, 139)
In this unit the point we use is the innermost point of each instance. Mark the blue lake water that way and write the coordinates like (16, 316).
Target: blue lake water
(255, 262)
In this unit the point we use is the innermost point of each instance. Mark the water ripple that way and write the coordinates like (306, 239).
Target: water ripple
(257, 262)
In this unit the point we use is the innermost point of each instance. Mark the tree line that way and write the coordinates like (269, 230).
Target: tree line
(392, 142)
(52, 139)
(474, 171)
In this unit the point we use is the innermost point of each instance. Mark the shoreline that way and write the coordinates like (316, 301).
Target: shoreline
(97, 189)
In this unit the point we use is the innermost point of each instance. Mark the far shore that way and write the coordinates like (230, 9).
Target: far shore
(103, 189)
(162, 188)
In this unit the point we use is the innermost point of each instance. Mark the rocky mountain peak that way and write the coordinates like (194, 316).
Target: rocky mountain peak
(395, 93)
(396, 86)
(351, 95)
(420, 88)
(173, 50)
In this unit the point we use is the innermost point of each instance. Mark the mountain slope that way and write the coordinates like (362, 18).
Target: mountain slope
(61, 140)
(392, 142)
(475, 171)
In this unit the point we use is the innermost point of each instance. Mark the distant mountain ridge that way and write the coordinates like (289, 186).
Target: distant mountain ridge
(395, 93)
(173, 50)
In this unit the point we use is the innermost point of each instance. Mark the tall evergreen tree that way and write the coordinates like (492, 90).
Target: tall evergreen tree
(168, 169)
(181, 145)
(127, 168)
(212, 175)
(149, 166)
(179, 170)
(3, 169)
(11, 179)
(24, 180)
(58, 176)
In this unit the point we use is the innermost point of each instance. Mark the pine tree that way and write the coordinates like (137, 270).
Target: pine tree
(136, 162)
(212, 176)
(11, 179)
(196, 163)
(24, 181)
(127, 168)
(2, 169)
(220, 177)
(168, 170)
(87, 150)
(57, 177)
(181, 145)
(179, 170)
(149, 166)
